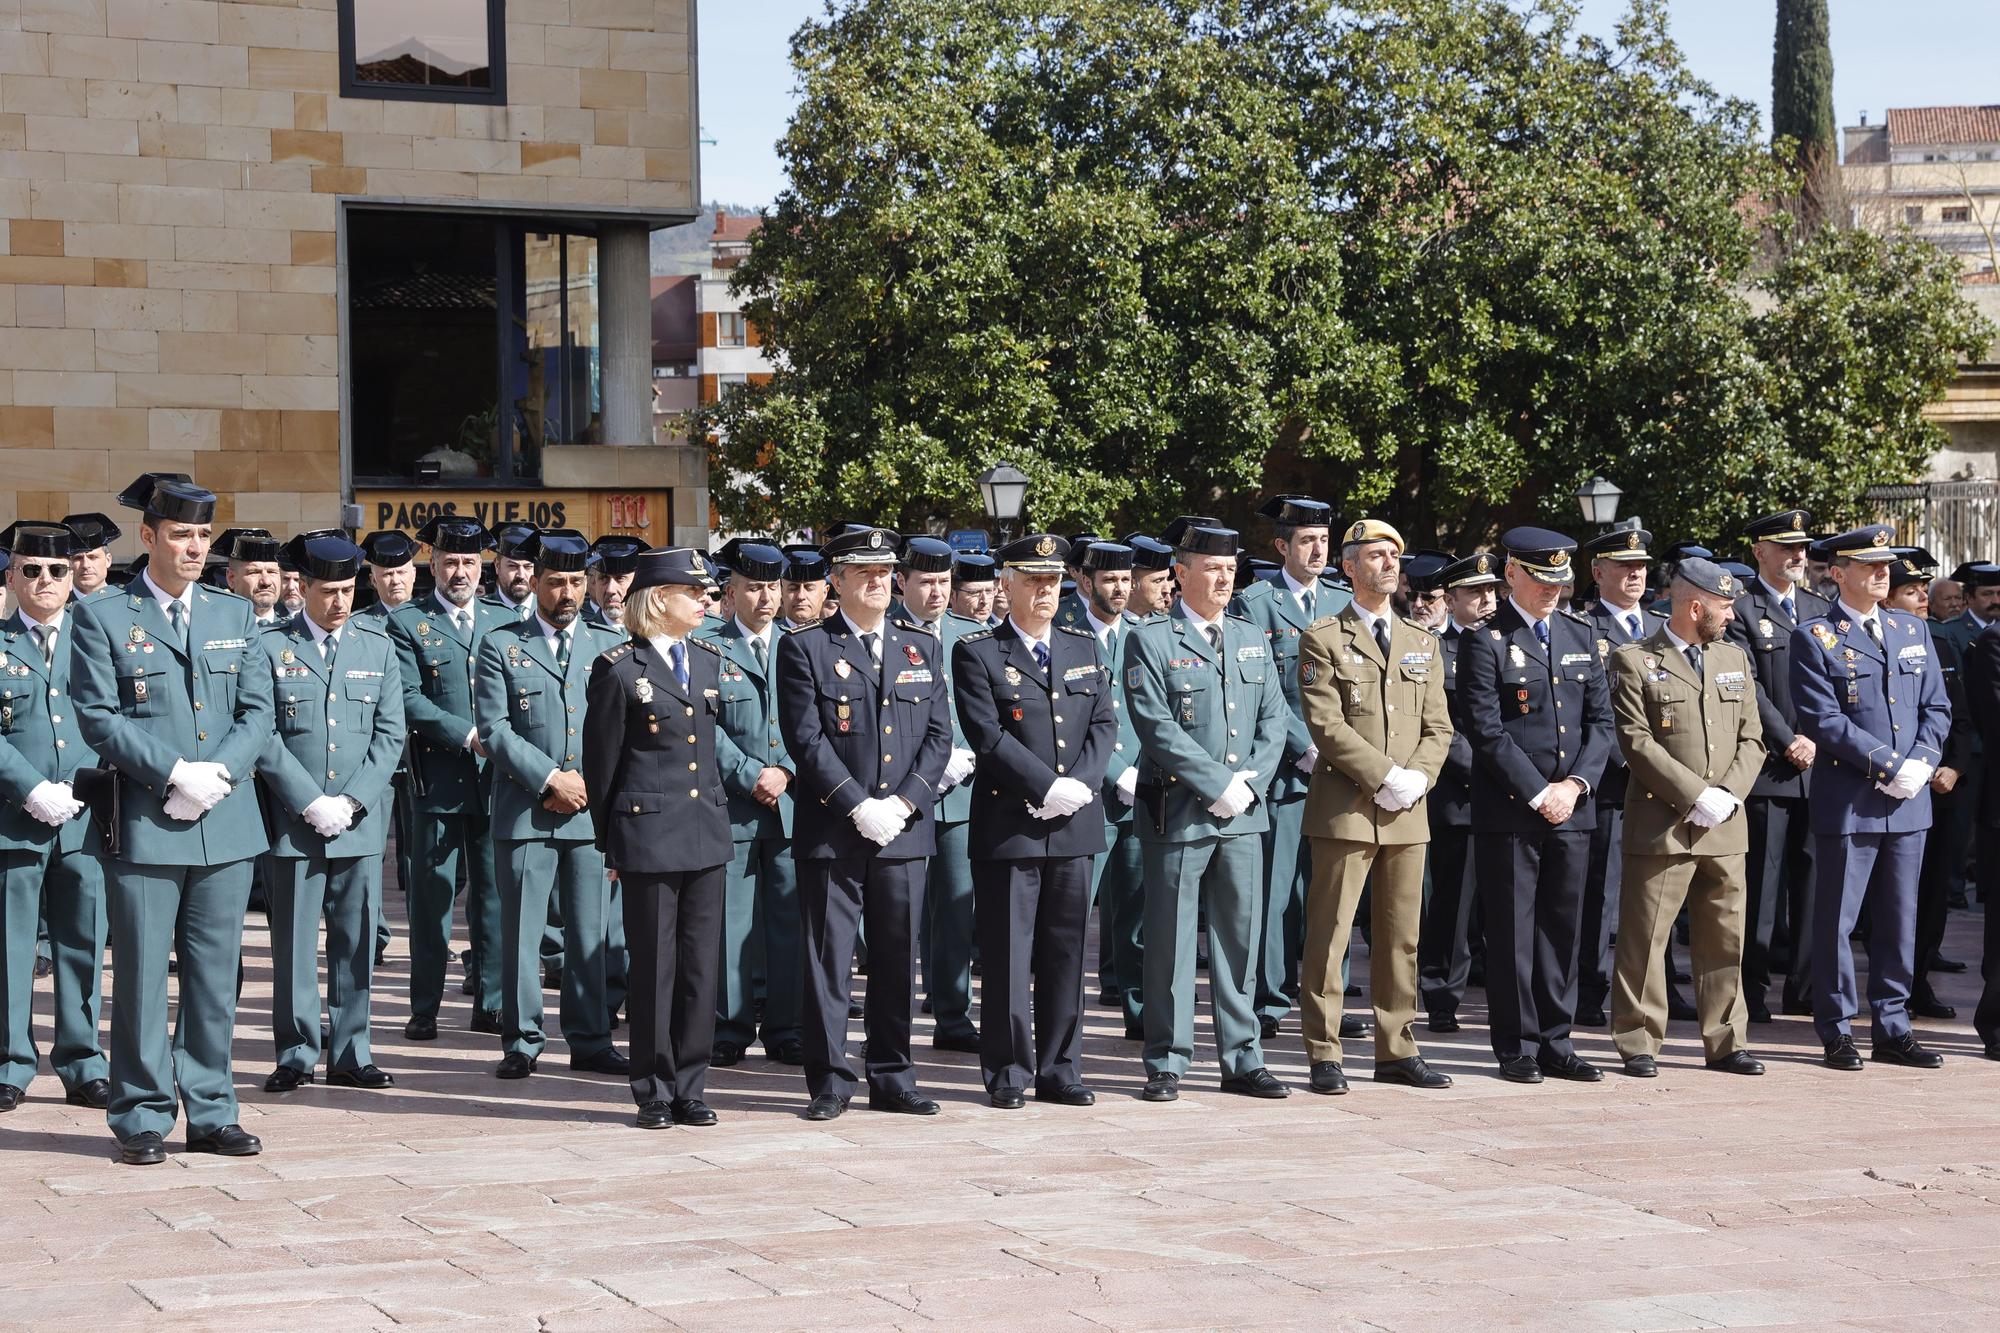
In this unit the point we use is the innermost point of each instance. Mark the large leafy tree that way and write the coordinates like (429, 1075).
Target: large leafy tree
(1438, 260)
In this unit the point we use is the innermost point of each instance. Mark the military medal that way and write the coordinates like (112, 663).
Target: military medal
(1515, 657)
(137, 634)
(642, 690)
(910, 651)
(1765, 629)
(1013, 676)
(423, 627)
(1017, 715)
(841, 669)
(843, 712)
(287, 657)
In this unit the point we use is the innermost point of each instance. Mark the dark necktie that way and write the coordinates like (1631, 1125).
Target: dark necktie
(562, 651)
(1307, 600)
(1111, 646)
(177, 617)
(1042, 657)
(757, 650)
(1791, 611)
(1213, 633)
(1631, 627)
(1874, 630)
(45, 635)
(1693, 654)
(677, 655)
(1382, 638)
(868, 641)
(326, 648)
(1542, 635)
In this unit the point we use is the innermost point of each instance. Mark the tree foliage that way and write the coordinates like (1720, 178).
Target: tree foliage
(1802, 124)
(1436, 260)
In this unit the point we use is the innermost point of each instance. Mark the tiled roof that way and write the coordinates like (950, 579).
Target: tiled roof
(1911, 126)
(736, 226)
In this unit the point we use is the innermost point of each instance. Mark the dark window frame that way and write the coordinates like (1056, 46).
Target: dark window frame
(496, 48)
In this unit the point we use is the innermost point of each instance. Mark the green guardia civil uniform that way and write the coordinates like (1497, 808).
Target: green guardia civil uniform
(451, 796)
(530, 701)
(40, 741)
(1202, 713)
(948, 938)
(149, 695)
(339, 732)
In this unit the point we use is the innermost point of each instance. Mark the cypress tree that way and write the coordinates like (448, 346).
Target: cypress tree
(1802, 108)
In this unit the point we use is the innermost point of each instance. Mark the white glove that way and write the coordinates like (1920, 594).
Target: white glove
(1910, 779)
(1408, 784)
(1308, 761)
(53, 803)
(879, 820)
(1712, 807)
(201, 782)
(330, 816)
(1065, 796)
(1236, 797)
(958, 768)
(184, 808)
(1128, 785)
(1390, 799)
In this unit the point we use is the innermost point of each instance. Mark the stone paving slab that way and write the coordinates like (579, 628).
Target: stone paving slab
(1804, 1199)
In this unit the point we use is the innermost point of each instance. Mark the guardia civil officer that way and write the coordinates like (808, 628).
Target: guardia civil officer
(863, 707)
(437, 639)
(1780, 862)
(513, 570)
(1211, 719)
(1281, 606)
(661, 819)
(172, 689)
(1982, 695)
(1034, 699)
(1620, 566)
(1534, 703)
(1865, 680)
(972, 581)
(1689, 732)
(1373, 692)
(802, 597)
(760, 903)
(90, 557)
(253, 570)
(614, 558)
(48, 852)
(528, 691)
(945, 945)
(325, 776)
(392, 573)
(1444, 946)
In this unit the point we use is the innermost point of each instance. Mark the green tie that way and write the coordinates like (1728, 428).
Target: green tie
(176, 617)
(562, 651)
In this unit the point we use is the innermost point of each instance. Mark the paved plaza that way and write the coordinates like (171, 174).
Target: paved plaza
(1699, 1200)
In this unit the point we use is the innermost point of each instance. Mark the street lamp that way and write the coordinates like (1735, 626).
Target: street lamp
(1599, 501)
(1003, 489)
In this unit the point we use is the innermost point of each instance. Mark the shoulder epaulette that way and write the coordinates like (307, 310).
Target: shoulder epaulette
(1323, 622)
(372, 625)
(900, 623)
(283, 627)
(976, 636)
(953, 615)
(1080, 633)
(1236, 615)
(615, 654)
(709, 644)
(1579, 619)
(1424, 630)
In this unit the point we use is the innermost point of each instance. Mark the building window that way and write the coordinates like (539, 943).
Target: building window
(472, 344)
(424, 50)
(728, 384)
(1913, 214)
(1961, 213)
(729, 329)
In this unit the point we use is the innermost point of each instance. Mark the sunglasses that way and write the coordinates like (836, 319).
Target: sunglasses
(55, 571)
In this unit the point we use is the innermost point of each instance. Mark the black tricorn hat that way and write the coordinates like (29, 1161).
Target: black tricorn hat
(325, 555)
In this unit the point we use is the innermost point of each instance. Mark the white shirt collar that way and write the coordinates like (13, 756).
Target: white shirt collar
(1370, 618)
(313, 628)
(1098, 627)
(1291, 582)
(54, 622)
(1793, 594)
(1680, 644)
(1875, 616)
(749, 633)
(880, 631)
(1195, 617)
(1523, 612)
(166, 599)
(1028, 638)
(1975, 619)
(550, 631)
(663, 644)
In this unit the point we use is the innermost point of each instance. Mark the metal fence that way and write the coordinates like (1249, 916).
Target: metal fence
(1953, 520)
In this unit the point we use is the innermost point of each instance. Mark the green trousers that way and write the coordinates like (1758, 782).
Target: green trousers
(760, 905)
(529, 872)
(1121, 904)
(69, 892)
(1226, 877)
(347, 891)
(947, 936)
(438, 844)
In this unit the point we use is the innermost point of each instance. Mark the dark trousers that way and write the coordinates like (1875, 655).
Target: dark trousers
(1121, 902)
(673, 929)
(1032, 918)
(1444, 947)
(1531, 900)
(836, 896)
(1781, 870)
(1600, 908)
(1986, 1020)
(1944, 852)
(1875, 872)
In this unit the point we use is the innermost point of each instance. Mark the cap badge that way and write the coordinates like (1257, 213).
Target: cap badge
(1046, 546)
(1557, 559)
(1481, 567)
(875, 541)
(1632, 542)
(1726, 585)
(1882, 537)
(1358, 531)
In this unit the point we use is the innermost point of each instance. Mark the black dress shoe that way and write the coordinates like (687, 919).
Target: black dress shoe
(368, 1076)
(96, 1094)
(826, 1106)
(486, 1020)
(1679, 1010)
(1326, 1077)
(1353, 1027)
(1992, 1051)
(381, 956)
(287, 1079)
(902, 1103)
(1943, 964)
(1933, 1007)
(229, 1141)
(1256, 1083)
(790, 1052)
(1571, 1068)
(1066, 1094)
(1590, 1016)
(1840, 1054)
(1162, 1088)
(1267, 1027)
(725, 1054)
(654, 1115)
(1521, 1069)
(516, 1065)
(10, 1096)
(551, 978)
(46, 967)
(1760, 1012)
(1442, 1023)
(925, 1007)
(1411, 1073)
(1904, 1051)
(1007, 1099)
(610, 1060)
(1353, 991)
(145, 1149)
(1110, 999)
(692, 1111)
(1642, 1066)
(854, 1009)
(1737, 1062)
(967, 1041)
(1135, 1032)
(421, 1027)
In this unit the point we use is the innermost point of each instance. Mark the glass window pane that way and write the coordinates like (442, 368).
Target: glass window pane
(422, 300)
(422, 43)
(538, 374)
(586, 407)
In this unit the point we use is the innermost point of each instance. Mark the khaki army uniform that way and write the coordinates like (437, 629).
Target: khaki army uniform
(1680, 735)
(1367, 715)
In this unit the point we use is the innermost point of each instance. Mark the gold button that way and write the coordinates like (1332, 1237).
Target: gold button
(199, 735)
(887, 730)
(693, 767)
(1058, 717)
(887, 757)
(885, 787)
(197, 705)
(572, 731)
(569, 759)
(64, 745)
(692, 793)
(635, 809)
(330, 773)
(572, 708)
(1059, 768)
(1231, 759)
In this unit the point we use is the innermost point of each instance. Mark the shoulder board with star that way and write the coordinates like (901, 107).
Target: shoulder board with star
(1079, 633)
(1579, 619)
(1324, 621)
(953, 615)
(371, 625)
(976, 636)
(1233, 615)
(1427, 633)
(792, 629)
(283, 627)
(619, 653)
(904, 622)
(709, 644)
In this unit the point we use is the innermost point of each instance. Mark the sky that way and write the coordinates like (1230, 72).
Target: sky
(1885, 53)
